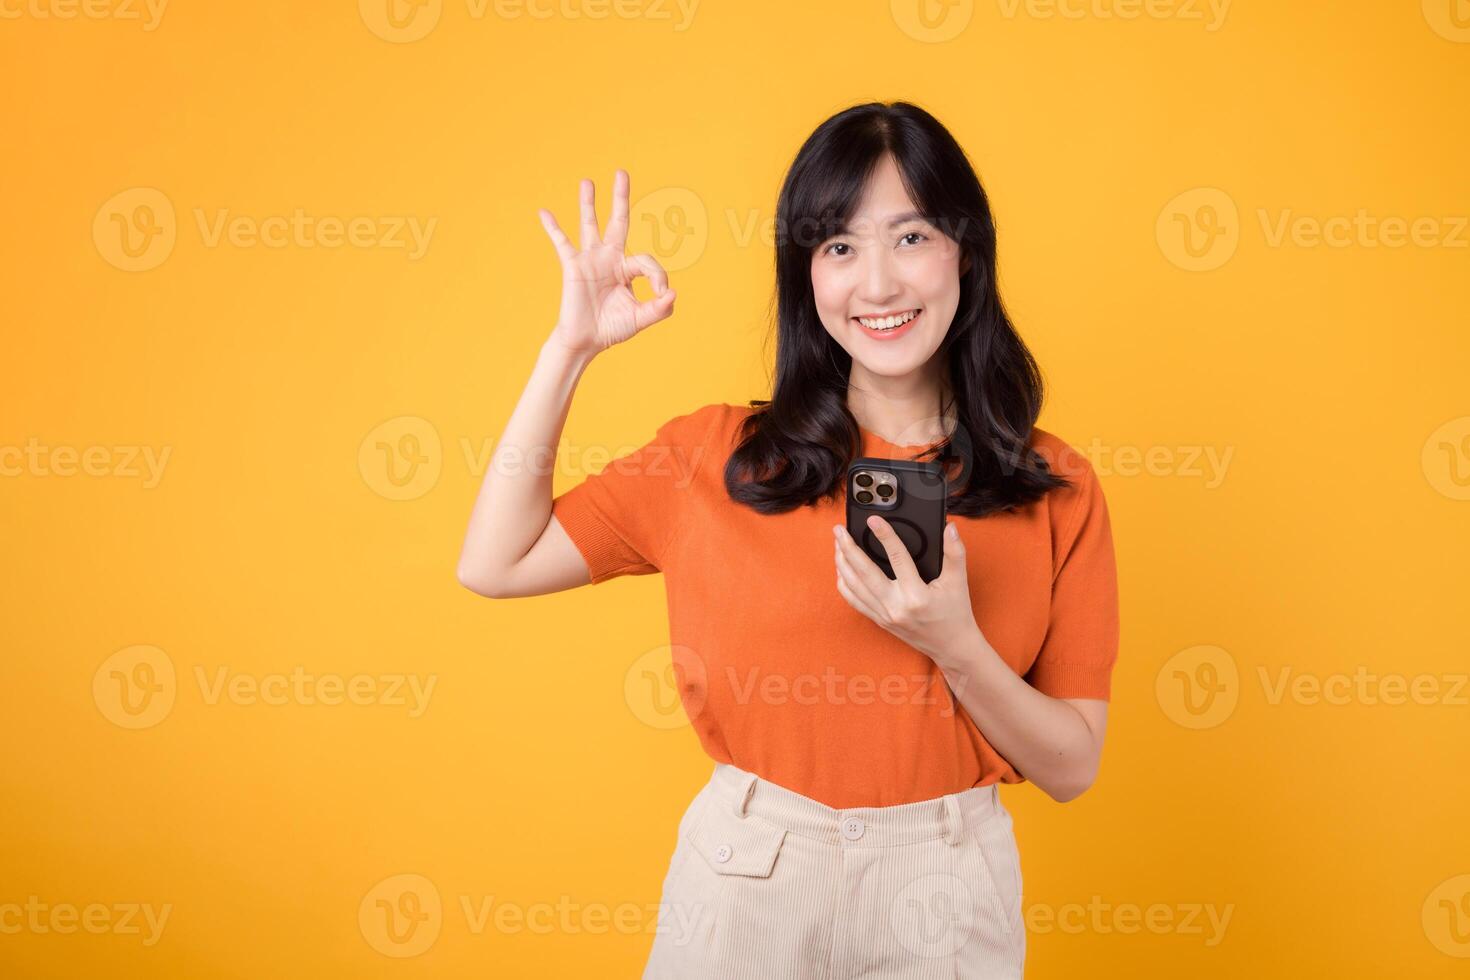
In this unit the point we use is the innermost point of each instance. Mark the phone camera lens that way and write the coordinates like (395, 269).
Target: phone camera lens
(885, 491)
(864, 497)
(864, 480)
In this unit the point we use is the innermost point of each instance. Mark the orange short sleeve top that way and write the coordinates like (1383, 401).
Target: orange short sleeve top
(781, 677)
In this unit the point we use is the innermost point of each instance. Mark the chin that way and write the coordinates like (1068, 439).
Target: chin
(891, 367)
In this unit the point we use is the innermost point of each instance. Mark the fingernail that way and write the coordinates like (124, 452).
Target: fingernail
(952, 531)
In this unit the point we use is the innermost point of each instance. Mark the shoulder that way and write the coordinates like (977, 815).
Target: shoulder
(1074, 466)
(712, 427)
(702, 424)
(714, 424)
(1062, 458)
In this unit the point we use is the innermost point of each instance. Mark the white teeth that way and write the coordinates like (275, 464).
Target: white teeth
(888, 322)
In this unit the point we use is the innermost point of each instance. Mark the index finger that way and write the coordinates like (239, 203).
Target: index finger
(897, 551)
(862, 563)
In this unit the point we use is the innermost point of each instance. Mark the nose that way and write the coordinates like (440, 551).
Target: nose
(880, 280)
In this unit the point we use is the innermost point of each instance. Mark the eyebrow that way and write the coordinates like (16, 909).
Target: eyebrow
(897, 219)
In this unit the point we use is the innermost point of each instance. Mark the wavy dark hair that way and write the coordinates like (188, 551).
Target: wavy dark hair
(795, 450)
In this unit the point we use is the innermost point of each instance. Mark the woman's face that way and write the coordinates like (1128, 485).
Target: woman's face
(894, 264)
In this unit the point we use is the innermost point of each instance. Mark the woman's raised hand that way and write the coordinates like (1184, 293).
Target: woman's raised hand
(598, 308)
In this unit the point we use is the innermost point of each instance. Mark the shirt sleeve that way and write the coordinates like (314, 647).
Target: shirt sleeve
(1081, 644)
(624, 518)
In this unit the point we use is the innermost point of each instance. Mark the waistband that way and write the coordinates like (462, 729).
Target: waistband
(863, 826)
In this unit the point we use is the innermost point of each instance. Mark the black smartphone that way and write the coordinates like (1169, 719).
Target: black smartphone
(908, 494)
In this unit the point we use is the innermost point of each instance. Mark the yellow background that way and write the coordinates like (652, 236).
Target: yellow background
(1333, 835)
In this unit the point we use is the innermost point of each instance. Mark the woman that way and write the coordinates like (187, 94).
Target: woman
(859, 725)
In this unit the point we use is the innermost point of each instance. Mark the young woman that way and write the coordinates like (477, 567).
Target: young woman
(860, 725)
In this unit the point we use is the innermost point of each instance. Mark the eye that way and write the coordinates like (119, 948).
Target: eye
(829, 248)
(915, 234)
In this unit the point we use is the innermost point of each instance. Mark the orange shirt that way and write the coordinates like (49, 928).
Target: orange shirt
(781, 677)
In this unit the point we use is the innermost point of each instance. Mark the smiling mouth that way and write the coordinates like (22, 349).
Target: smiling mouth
(884, 324)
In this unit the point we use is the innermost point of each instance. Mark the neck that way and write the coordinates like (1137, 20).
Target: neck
(903, 410)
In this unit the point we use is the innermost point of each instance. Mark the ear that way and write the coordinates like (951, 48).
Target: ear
(964, 263)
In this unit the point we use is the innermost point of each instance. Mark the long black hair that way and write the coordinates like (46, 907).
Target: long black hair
(795, 450)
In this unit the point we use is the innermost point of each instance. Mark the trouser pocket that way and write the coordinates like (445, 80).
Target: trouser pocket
(721, 892)
(732, 844)
(998, 932)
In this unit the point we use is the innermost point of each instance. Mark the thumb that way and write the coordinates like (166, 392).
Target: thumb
(952, 540)
(954, 548)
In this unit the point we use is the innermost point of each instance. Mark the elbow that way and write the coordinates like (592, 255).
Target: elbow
(1066, 794)
(478, 583)
(1067, 790)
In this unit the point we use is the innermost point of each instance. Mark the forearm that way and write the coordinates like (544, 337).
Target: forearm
(1045, 739)
(514, 502)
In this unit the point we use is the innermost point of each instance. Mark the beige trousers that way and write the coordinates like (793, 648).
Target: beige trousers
(767, 884)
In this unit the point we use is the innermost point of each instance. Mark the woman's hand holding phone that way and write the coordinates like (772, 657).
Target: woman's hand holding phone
(598, 308)
(933, 617)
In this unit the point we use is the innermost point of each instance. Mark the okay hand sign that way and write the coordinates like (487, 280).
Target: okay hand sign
(598, 308)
